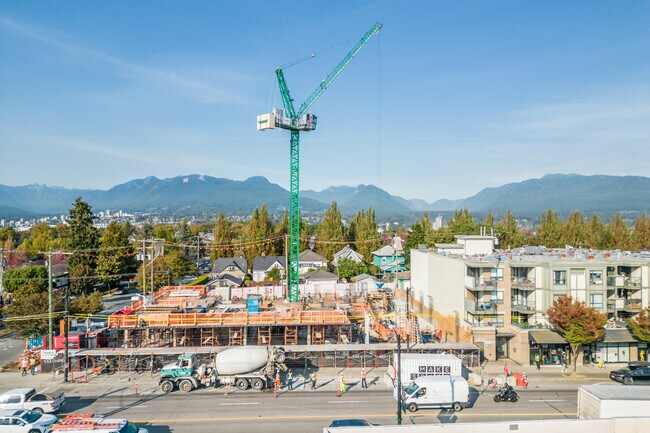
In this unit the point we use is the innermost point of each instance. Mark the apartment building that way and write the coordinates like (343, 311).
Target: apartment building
(502, 296)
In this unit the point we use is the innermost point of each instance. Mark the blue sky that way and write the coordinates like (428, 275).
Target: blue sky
(452, 97)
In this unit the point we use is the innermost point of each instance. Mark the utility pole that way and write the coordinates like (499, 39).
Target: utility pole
(144, 268)
(2, 270)
(151, 264)
(286, 266)
(65, 334)
(399, 379)
(50, 340)
(198, 254)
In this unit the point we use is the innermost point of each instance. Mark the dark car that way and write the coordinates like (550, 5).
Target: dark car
(619, 375)
(350, 423)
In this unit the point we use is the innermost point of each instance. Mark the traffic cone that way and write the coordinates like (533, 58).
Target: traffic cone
(226, 389)
(338, 391)
(136, 387)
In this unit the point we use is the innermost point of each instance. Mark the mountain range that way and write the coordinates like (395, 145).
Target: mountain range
(197, 193)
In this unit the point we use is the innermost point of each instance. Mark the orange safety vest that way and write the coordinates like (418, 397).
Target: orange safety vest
(363, 374)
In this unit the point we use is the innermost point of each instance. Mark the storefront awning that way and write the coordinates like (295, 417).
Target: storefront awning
(621, 335)
(546, 336)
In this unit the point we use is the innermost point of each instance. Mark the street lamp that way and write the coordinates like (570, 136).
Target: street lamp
(399, 375)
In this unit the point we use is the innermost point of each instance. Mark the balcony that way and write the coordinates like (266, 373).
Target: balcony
(628, 305)
(480, 306)
(523, 283)
(481, 320)
(522, 323)
(525, 307)
(480, 284)
(622, 281)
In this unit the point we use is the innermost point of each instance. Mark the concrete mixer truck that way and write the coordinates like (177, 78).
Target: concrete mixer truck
(244, 367)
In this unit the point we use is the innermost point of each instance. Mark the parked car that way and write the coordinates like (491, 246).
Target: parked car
(350, 423)
(29, 399)
(630, 373)
(27, 421)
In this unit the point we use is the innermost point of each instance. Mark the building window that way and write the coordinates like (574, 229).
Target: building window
(559, 277)
(497, 297)
(557, 296)
(596, 301)
(596, 277)
(496, 274)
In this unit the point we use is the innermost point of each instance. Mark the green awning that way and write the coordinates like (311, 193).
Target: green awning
(546, 336)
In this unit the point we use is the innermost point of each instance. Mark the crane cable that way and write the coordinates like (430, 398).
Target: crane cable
(312, 55)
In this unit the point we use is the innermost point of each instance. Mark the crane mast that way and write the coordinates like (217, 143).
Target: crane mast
(288, 118)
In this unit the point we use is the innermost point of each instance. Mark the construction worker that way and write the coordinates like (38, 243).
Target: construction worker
(278, 382)
(341, 384)
(23, 366)
(107, 366)
(313, 378)
(364, 384)
(32, 365)
(290, 380)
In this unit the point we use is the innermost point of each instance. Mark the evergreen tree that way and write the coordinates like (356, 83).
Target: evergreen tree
(600, 237)
(462, 223)
(620, 232)
(489, 220)
(115, 258)
(549, 232)
(266, 230)
(509, 233)
(330, 230)
(253, 234)
(222, 238)
(82, 235)
(282, 229)
(366, 236)
(575, 231)
(641, 234)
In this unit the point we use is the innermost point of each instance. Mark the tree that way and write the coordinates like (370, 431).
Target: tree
(7, 238)
(640, 326)
(172, 266)
(549, 232)
(575, 231)
(14, 279)
(600, 237)
(29, 307)
(274, 275)
(81, 237)
(620, 232)
(462, 223)
(510, 235)
(282, 229)
(222, 238)
(366, 239)
(641, 233)
(41, 238)
(577, 323)
(349, 268)
(87, 304)
(330, 230)
(116, 255)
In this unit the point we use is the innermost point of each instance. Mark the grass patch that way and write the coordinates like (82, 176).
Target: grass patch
(199, 281)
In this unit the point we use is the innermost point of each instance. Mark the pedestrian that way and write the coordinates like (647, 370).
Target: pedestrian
(537, 360)
(341, 384)
(505, 370)
(601, 362)
(107, 366)
(290, 380)
(364, 384)
(23, 366)
(32, 365)
(313, 378)
(525, 378)
(563, 361)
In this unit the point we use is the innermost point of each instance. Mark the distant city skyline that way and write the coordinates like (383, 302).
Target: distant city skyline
(449, 99)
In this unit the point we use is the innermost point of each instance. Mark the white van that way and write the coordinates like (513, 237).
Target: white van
(436, 392)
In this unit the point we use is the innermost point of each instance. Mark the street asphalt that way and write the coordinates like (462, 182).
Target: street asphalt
(550, 394)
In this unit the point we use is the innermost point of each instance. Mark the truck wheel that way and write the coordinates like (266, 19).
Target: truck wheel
(242, 384)
(457, 407)
(166, 386)
(281, 357)
(412, 407)
(497, 398)
(257, 384)
(628, 381)
(38, 409)
(34, 431)
(185, 386)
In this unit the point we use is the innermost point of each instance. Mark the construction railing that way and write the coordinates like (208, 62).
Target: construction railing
(333, 317)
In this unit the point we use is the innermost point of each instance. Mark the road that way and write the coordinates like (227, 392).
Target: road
(10, 348)
(117, 302)
(303, 411)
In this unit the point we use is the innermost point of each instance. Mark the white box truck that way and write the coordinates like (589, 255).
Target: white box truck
(414, 365)
(612, 401)
(436, 392)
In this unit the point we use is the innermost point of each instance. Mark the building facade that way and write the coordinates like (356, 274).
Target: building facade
(502, 296)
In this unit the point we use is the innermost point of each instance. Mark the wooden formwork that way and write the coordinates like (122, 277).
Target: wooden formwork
(264, 336)
(317, 334)
(209, 337)
(291, 335)
(236, 336)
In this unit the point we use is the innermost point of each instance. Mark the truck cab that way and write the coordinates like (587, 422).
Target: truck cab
(436, 392)
(29, 399)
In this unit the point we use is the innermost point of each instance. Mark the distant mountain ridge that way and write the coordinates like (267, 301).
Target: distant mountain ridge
(198, 193)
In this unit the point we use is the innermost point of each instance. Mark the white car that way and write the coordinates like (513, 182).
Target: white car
(25, 421)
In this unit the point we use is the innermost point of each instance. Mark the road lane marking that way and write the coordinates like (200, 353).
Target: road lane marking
(125, 407)
(348, 401)
(547, 400)
(235, 404)
(508, 416)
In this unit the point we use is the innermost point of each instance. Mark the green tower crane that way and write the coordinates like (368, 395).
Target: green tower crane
(296, 121)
